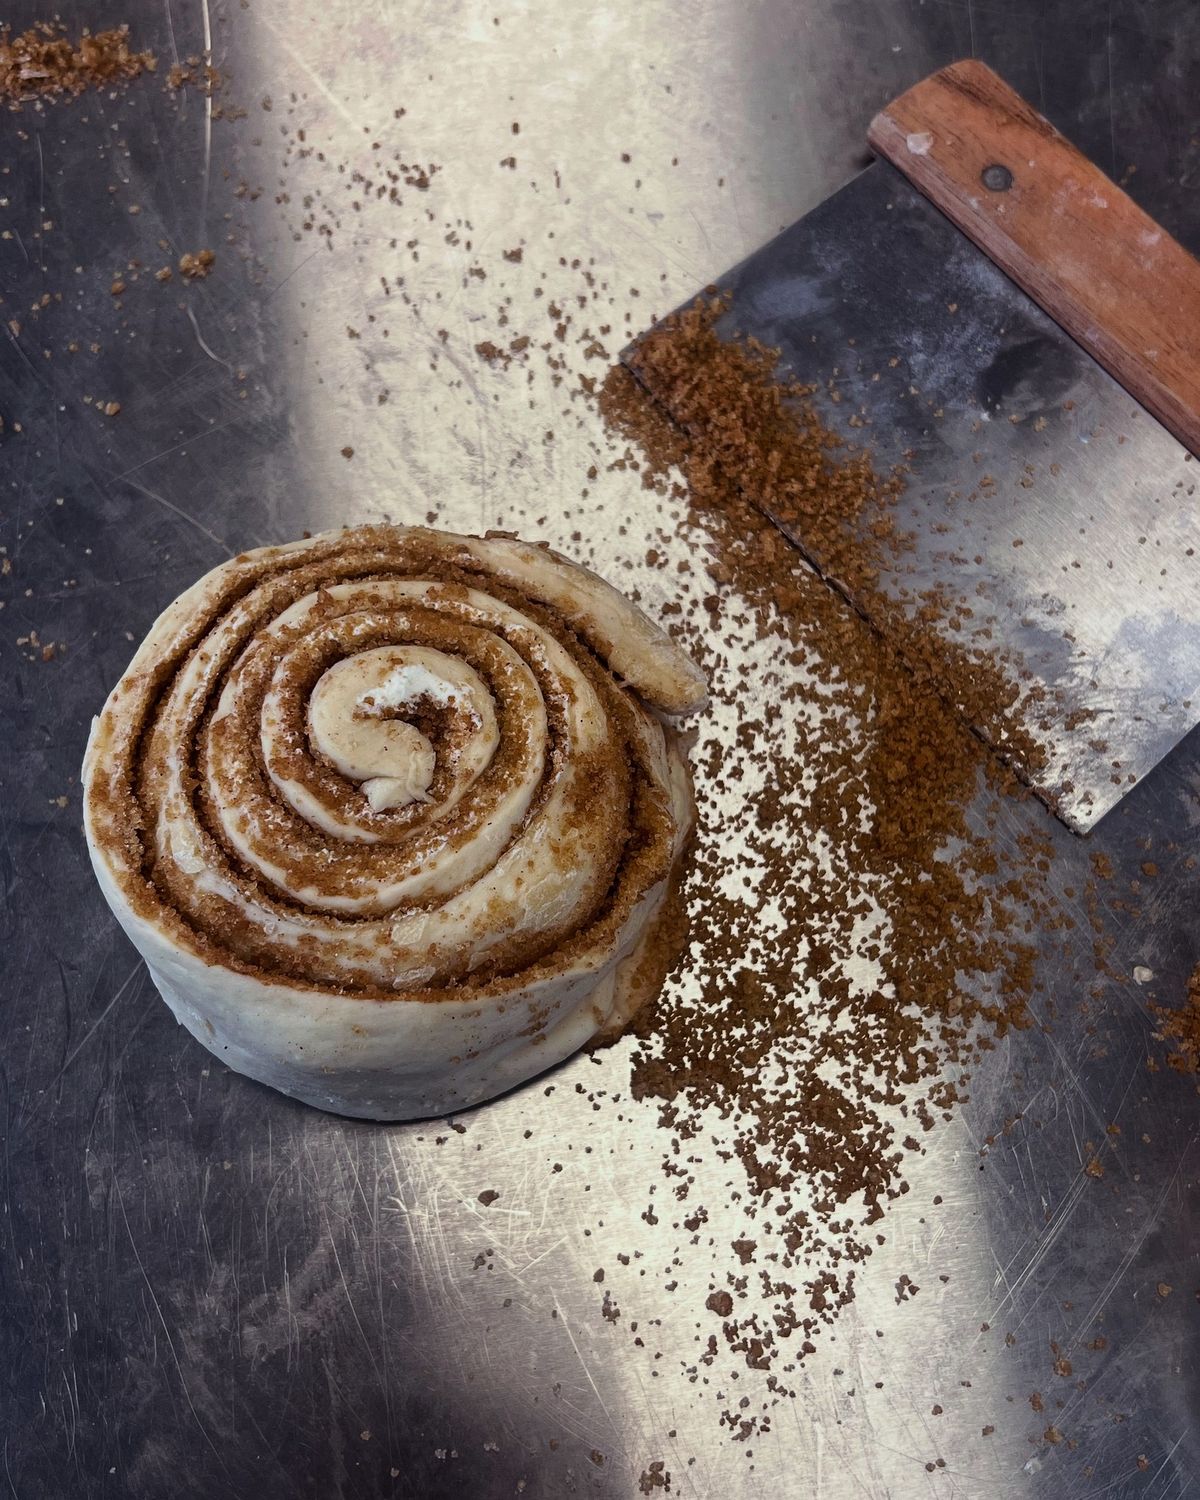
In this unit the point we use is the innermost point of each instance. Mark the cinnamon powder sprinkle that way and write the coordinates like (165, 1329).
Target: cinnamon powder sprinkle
(42, 63)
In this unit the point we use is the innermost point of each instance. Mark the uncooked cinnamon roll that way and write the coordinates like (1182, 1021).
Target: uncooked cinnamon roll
(395, 816)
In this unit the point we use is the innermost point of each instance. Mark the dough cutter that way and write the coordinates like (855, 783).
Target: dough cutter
(1018, 334)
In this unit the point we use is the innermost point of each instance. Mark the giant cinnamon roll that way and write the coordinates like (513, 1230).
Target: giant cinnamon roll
(395, 816)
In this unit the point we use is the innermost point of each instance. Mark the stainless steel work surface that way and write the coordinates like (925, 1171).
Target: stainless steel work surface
(208, 1290)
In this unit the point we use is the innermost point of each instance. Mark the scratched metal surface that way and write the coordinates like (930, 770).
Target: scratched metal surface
(207, 1290)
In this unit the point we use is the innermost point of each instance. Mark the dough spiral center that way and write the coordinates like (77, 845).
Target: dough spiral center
(360, 719)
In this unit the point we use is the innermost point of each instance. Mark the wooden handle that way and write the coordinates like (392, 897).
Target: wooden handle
(1064, 232)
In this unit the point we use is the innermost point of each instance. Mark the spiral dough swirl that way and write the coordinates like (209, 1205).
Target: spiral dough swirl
(393, 764)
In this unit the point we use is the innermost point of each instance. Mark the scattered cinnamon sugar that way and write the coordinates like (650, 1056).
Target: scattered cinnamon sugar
(835, 997)
(760, 427)
(42, 63)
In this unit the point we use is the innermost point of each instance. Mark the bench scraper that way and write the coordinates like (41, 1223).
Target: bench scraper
(1034, 339)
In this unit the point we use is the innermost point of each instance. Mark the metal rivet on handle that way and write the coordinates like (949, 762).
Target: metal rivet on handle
(996, 179)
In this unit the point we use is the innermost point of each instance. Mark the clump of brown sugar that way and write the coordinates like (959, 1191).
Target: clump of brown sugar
(872, 937)
(42, 63)
(195, 265)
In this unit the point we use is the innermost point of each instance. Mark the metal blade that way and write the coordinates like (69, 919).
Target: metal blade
(1039, 492)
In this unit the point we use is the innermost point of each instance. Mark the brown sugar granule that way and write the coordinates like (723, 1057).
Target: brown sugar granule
(839, 1000)
(488, 1197)
(195, 266)
(721, 1303)
(42, 63)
